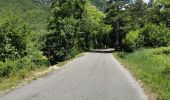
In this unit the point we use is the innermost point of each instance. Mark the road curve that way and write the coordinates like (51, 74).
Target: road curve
(95, 76)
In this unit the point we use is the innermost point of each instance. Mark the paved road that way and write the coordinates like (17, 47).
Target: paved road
(95, 76)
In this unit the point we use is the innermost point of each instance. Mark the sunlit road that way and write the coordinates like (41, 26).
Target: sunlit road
(95, 76)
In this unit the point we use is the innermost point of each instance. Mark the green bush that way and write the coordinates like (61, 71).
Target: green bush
(8, 68)
(33, 62)
(130, 42)
(27, 63)
(22, 31)
(166, 71)
(154, 36)
(20, 46)
(13, 32)
(162, 51)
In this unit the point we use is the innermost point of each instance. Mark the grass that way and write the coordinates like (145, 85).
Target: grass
(152, 67)
(22, 77)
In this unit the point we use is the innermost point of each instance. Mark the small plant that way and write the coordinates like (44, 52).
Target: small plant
(121, 54)
(166, 71)
(130, 42)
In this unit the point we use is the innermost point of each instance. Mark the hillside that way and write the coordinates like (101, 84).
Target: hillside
(35, 10)
(23, 25)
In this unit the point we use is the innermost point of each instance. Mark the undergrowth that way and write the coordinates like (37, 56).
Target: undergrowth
(152, 66)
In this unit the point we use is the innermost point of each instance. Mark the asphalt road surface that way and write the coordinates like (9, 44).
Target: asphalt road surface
(95, 76)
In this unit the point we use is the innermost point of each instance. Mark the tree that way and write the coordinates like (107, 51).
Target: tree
(158, 13)
(116, 13)
(137, 10)
(93, 27)
(74, 27)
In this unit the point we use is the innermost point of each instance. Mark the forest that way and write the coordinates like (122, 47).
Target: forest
(36, 34)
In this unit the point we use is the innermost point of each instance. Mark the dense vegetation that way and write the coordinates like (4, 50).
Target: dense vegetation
(22, 29)
(152, 66)
(143, 39)
(149, 25)
(75, 26)
(101, 4)
(35, 33)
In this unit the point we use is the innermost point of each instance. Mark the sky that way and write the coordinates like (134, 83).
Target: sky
(146, 1)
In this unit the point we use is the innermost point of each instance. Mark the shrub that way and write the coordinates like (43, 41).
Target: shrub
(22, 28)
(7, 68)
(154, 36)
(130, 42)
(26, 63)
(33, 62)
(13, 32)
(162, 51)
(166, 71)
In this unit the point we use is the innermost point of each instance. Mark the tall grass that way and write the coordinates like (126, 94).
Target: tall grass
(152, 66)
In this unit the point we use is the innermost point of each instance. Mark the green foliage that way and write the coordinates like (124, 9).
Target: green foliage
(138, 25)
(64, 25)
(137, 11)
(152, 67)
(162, 51)
(22, 29)
(7, 68)
(151, 35)
(141, 17)
(164, 2)
(94, 28)
(155, 36)
(13, 32)
(26, 63)
(130, 42)
(35, 14)
(101, 4)
(19, 5)
(138, 15)
(120, 24)
(157, 14)
(74, 27)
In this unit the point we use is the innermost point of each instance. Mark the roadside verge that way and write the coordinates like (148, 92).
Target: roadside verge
(16, 81)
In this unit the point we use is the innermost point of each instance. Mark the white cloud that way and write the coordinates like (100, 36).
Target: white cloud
(146, 1)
